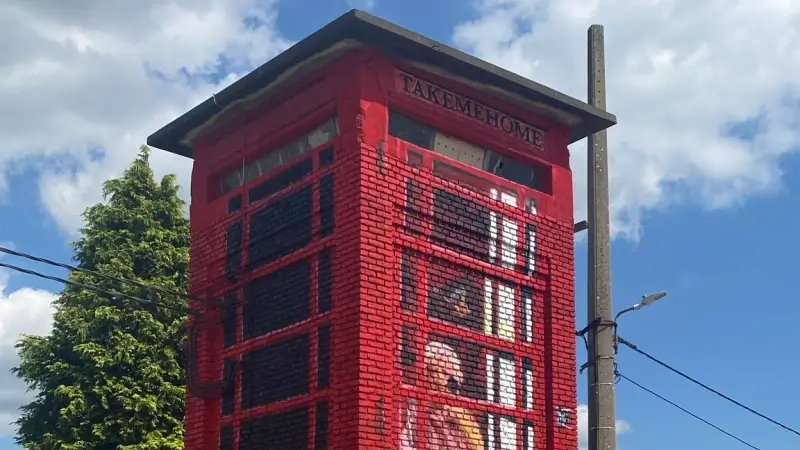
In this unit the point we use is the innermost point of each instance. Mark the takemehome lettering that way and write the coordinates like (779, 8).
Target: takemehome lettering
(439, 96)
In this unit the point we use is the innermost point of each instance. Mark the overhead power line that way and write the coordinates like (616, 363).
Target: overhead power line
(706, 387)
(50, 262)
(88, 287)
(686, 411)
(191, 369)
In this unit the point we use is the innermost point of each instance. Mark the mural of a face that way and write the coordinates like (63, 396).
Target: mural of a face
(442, 367)
(450, 427)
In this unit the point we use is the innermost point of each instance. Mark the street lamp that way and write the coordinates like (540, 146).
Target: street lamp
(646, 300)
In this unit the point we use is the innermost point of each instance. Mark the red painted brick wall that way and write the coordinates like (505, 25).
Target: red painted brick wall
(393, 261)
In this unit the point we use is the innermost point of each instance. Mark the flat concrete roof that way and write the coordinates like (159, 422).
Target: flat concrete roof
(398, 43)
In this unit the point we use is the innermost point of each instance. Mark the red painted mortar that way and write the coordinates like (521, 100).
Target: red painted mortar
(388, 253)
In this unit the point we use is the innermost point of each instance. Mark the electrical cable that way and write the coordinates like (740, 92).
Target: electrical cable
(89, 287)
(706, 387)
(729, 434)
(193, 384)
(50, 262)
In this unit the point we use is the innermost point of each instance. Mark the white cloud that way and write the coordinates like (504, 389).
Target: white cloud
(623, 427)
(678, 75)
(83, 77)
(26, 311)
(679, 72)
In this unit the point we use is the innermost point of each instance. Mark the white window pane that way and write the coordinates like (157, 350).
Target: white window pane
(528, 375)
(529, 437)
(490, 377)
(488, 310)
(527, 305)
(530, 240)
(507, 382)
(505, 313)
(508, 434)
(509, 242)
(490, 424)
(493, 232)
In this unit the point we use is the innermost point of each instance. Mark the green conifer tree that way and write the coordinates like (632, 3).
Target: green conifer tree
(110, 374)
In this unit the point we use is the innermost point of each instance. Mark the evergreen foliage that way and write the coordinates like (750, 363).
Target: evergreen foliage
(110, 373)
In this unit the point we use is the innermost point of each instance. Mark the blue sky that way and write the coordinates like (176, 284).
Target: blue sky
(702, 196)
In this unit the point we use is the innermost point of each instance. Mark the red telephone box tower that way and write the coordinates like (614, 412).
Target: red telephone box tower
(387, 225)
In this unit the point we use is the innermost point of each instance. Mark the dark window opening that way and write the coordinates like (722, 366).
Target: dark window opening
(229, 386)
(280, 228)
(323, 356)
(326, 205)
(461, 224)
(321, 427)
(281, 181)
(229, 322)
(276, 372)
(408, 280)
(234, 203)
(408, 355)
(277, 300)
(414, 207)
(226, 437)
(513, 170)
(326, 157)
(412, 131)
(285, 430)
(325, 281)
(427, 137)
(233, 250)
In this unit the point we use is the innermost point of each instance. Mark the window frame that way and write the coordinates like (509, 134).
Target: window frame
(482, 138)
(525, 196)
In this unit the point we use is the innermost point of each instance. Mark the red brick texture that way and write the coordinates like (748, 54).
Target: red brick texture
(371, 300)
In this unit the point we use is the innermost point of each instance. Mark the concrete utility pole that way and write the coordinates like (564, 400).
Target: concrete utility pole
(602, 418)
